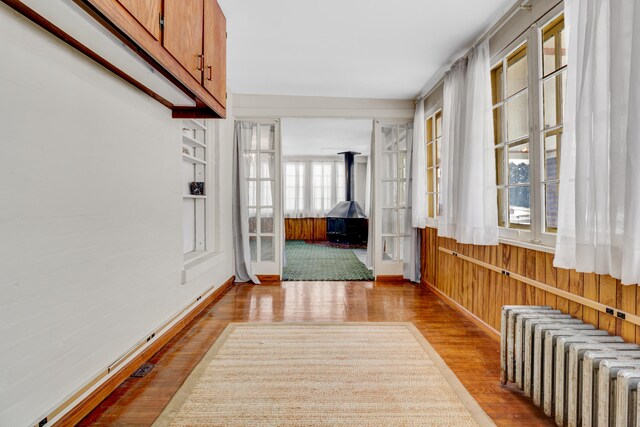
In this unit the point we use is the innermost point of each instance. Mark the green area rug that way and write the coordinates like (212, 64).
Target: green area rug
(308, 261)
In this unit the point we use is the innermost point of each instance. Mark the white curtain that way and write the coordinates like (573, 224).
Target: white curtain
(469, 197)
(418, 167)
(371, 200)
(599, 206)
(243, 134)
(312, 187)
(411, 246)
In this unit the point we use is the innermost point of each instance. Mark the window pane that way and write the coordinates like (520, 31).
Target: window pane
(251, 193)
(438, 179)
(549, 55)
(501, 208)
(267, 137)
(519, 206)
(267, 165)
(438, 124)
(431, 205)
(518, 117)
(496, 84)
(389, 165)
(438, 150)
(402, 165)
(430, 157)
(389, 138)
(267, 252)
(551, 157)
(431, 180)
(266, 220)
(551, 207)
(554, 46)
(250, 167)
(430, 130)
(266, 193)
(253, 248)
(389, 221)
(388, 248)
(253, 220)
(402, 189)
(500, 175)
(553, 95)
(517, 71)
(519, 163)
(497, 125)
(389, 194)
(402, 213)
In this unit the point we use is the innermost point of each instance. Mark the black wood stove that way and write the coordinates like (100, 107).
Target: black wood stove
(346, 222)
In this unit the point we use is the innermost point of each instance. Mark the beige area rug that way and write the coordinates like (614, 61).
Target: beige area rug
(322, 374)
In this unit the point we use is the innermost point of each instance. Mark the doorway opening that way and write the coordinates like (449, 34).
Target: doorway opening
(327, 201)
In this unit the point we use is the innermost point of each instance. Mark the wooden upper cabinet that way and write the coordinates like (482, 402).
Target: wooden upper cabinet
(183, 32)
(215, 51)
(146, 12)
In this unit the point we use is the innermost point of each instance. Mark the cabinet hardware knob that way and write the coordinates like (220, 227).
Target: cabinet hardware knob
(200, 65)
(210, 68)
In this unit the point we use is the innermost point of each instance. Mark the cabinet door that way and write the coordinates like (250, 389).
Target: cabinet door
(215, 51)
(147, 12)
(183, 23)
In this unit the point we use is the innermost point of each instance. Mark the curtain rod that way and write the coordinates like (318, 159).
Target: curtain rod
(493, 28)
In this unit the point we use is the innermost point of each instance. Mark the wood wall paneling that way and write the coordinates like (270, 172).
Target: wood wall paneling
(147, 13)
(314, 229)
(482, 291)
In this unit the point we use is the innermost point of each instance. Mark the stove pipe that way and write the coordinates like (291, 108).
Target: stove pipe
(348, 174)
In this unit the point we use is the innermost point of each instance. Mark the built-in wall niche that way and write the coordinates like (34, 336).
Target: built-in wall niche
(194, 186)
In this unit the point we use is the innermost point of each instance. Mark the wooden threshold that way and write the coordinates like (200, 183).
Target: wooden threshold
(391, 278)
(269, 279)
(86, 405)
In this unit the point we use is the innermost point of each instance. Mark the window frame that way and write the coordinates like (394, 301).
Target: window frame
(432, 221)
(536, 235)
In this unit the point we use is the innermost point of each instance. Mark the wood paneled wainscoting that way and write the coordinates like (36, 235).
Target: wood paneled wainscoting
(305, 229)
(481, 279)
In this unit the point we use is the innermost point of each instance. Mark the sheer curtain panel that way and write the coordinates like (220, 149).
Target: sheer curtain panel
(599, 206)
(418, 198)
(242, 137)
(470, 212)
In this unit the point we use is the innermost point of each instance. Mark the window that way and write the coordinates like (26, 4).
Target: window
(528, 124)
(434, 147)
(260, 167)
(394, 187)
(509, 81)
(294, 183)
(313, 186)
(553, 82)
(194, 173)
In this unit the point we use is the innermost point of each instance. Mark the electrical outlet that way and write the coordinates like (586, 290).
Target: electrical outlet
(621, 315)
(42, 422)
(610, 311)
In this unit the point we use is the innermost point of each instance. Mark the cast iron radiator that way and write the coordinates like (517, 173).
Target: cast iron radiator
(579, 375)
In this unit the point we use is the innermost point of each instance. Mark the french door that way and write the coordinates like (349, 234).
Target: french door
(262, 178)
(390, 195)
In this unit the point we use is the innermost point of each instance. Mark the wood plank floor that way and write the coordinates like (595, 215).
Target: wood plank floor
(470, 353)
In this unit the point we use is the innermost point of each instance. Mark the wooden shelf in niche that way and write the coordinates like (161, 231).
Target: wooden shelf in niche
(194, 160)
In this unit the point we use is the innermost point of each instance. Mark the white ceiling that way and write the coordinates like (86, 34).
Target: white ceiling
(325, 137)
(348, 48)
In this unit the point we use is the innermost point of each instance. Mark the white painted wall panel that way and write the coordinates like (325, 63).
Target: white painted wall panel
(90, 219)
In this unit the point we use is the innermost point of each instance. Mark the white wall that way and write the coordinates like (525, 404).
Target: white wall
(90, 219)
